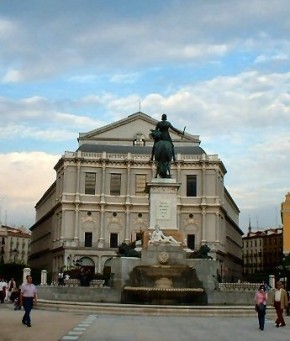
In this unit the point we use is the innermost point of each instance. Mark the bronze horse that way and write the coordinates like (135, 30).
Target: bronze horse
(162, 151)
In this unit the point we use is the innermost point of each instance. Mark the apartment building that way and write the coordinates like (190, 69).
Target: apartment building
(263, 252)
(15, 245)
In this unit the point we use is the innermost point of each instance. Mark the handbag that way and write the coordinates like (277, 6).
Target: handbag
(260, 308)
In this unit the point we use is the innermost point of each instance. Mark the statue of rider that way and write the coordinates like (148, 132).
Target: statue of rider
(162, 127)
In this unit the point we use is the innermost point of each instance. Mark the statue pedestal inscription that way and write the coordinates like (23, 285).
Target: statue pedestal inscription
(163, 202)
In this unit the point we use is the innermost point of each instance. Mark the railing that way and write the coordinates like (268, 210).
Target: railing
(77, 244)
(130, 156)
(94, 283)
(239, 286)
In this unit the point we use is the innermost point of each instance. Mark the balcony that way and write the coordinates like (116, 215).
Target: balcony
(74, 244)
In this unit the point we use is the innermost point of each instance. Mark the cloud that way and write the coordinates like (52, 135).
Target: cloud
(24, 177)
(219, 68)
(129, 78)
(40, 119)
(72, 38)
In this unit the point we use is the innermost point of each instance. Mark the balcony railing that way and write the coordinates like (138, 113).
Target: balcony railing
(129, 156)
(239, 286)
(80, 245)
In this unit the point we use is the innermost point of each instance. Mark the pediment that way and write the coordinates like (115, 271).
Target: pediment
(127, 129)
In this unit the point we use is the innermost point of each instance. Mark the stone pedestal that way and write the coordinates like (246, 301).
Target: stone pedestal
(43, 277)
(26, 272)
(163, 203)
(272, 281)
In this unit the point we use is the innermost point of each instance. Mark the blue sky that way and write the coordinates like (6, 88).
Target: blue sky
(220, 68)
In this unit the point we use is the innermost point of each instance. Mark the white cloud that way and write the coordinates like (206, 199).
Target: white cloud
(24, 177)
(86, 78)
(12, 76)
(38, 118)
(192, 32)
(128, 78)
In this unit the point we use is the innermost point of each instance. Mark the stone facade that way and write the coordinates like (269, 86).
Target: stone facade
(262, 252)
(285, 215)
(99, 200)
(15, 245)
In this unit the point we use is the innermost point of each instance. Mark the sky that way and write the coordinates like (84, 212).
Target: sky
(219, 67)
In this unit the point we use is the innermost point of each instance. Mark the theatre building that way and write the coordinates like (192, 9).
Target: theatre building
(99, 200)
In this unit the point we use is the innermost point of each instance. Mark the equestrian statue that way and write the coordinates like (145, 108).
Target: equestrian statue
(163, 148)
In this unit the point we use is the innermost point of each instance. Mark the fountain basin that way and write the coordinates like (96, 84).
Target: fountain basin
(163, 284)
(163, 296)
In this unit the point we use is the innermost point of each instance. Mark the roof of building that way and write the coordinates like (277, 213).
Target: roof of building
(124, 131)
(17, 232)
(264, 233)
(99, 148)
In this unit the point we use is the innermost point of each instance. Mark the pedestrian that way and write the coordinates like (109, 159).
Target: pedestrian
(11, 287)
(3, 287)
(261, 301)
(28, 294)
(280, 303)
(60, 279)
(288, 306)
(15, 298)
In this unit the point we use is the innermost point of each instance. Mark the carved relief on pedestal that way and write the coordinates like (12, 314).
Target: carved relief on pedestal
(163, 190)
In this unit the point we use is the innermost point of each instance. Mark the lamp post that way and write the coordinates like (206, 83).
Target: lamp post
(15, 252)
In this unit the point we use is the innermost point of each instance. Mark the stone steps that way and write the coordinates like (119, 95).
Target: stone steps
(158, 310)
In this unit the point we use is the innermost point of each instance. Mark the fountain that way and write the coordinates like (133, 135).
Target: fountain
(163, 283)
(163, 274)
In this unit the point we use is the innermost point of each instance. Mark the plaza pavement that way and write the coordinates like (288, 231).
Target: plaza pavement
(46, 325)
(64, 326)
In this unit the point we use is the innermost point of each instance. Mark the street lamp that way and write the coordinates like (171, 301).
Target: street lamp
(15, 252)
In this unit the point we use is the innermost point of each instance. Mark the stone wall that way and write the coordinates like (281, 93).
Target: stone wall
(110, 295)
(79, 294)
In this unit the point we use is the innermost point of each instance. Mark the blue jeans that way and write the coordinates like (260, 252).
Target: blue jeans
(27, 305)
(261, 318)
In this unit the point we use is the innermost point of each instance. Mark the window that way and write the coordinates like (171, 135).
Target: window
(90, 183)
(114, 240)
(140, 184)
(191, 241)
(139, 235)
(115, 185)
(88, 239)
(191, 185)
(139, 140)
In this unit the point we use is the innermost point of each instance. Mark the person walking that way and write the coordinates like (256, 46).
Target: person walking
(280, 303)
(261, 301)
(11, 287)
(28, 294)
(3, 287)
